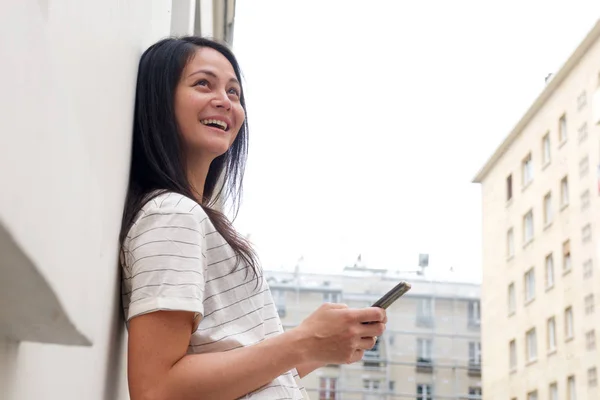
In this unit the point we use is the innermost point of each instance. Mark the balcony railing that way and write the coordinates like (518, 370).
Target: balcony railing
(474, 369)
(372, 359)
(424, 365)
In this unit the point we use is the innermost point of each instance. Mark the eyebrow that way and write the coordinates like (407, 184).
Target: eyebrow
(210, 73)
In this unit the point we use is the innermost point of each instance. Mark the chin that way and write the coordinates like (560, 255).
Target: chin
(215, 146)
(216, 151)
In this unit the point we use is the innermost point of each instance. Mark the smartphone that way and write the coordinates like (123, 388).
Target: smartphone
(390, 297)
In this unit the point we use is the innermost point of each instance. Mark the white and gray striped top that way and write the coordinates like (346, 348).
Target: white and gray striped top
(174, 259)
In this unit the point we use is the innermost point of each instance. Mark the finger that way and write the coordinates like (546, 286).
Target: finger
(336, 305)
(367, 343)
(370, 330)
(357, 356)
(369, 314)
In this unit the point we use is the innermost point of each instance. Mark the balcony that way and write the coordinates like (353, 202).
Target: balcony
(372, 359)
(474, 369)
(424, 365)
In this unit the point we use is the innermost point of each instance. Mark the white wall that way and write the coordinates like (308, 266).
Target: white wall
(67, 79)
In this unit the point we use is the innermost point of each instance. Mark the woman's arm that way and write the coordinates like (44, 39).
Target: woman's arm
(308, 367)
(159, 368)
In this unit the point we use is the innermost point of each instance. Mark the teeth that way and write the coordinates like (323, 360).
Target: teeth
(214, 122)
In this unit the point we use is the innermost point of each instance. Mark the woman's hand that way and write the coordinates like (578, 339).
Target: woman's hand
(336, 334)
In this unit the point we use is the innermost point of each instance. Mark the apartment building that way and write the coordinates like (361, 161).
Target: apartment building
(541, 223)
(431, 348)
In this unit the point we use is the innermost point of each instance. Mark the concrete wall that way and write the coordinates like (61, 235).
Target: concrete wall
(67, 75)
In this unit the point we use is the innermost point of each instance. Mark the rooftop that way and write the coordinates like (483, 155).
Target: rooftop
(552, 85)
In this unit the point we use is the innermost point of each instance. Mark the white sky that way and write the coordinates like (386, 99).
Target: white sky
(369, 119)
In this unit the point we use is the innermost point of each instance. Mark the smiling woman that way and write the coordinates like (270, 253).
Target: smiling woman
(201, 318)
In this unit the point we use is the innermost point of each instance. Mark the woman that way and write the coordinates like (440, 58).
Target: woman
(201, 319)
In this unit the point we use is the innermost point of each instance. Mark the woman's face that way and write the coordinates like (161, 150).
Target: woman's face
(207, 105)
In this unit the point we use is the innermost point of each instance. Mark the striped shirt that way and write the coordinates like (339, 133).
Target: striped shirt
(174, 259)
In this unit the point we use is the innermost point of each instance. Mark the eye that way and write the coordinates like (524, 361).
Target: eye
(201, 82)
(234, 91)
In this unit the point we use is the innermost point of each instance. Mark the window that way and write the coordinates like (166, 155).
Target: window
(475, 392)
(510, 243)
(527, 170)
(331, 297)
(474, 313)
(474, 353)
(547, 209)
(549, 271)
(529, 285)
(585, 200)
(589, 304)
(586, 234)
(592, 377)
(581, 101)
(564, 192)
(425, 312)
(590, 340)
(512, 355)
(551, 334)
(279, 300)
(528, 227)
(371, 385)
(531, 348)
(532, 395)
(392, 386)
(588, 270)
(327, 388)
(584, 167)
(571, 392)
(553, 391)
(424, 392)
(546, 149)
(566, 256)
(583, 132)
(562, 129)
(512, 299)
(509, 192)
(569, 329)
(424, 347)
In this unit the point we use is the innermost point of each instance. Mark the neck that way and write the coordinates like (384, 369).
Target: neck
(197, 172)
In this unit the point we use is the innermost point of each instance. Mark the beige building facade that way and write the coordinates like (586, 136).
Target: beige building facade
(431, 348)
(541, 225)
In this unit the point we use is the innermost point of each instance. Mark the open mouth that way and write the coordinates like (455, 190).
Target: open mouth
(215, 123)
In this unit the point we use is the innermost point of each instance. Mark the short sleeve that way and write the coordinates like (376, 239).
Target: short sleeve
(164, 262)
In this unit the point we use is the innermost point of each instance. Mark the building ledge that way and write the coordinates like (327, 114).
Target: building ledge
(30, 310)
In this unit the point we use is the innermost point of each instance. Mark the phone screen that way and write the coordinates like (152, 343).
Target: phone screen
(390, 297)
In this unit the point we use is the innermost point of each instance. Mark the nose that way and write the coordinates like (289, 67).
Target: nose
(221, 100)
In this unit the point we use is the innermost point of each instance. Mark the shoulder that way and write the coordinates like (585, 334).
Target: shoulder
(167, 214)
(170, 202)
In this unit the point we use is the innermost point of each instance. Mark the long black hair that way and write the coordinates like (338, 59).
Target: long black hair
(157, 160)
